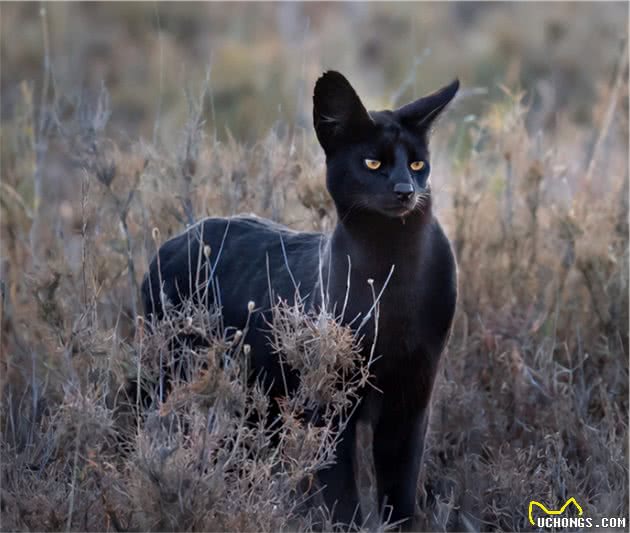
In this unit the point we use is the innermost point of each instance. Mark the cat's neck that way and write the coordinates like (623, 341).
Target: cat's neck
(375, 242)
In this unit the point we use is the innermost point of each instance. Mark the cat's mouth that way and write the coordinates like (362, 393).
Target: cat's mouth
(399, 209)
(386, 206)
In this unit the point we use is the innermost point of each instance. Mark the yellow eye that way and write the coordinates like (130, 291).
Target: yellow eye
(372, 164)
(417, 165)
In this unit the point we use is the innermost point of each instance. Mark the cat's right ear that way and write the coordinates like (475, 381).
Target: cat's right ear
(338, 114)
(420, 115)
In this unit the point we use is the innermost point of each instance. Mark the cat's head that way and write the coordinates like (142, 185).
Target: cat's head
(377, 161)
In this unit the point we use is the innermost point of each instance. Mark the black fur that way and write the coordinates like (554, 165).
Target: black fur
(377, 230)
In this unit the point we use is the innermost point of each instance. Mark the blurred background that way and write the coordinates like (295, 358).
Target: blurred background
(123, 122)
(246, 69)
(263, 58)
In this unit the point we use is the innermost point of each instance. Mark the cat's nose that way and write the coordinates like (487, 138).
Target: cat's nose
(403, 191)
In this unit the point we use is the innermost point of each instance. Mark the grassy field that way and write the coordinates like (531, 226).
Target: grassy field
(123, 122)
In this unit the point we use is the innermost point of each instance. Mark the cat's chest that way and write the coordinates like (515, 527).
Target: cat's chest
(397, 317)
(403, 315)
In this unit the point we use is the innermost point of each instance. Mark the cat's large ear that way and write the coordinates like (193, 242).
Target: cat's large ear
(420, 114)
(338, 114)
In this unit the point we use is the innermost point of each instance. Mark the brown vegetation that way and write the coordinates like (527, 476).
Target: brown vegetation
(531, 184)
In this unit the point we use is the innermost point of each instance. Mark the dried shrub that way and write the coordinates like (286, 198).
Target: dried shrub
(532, 399)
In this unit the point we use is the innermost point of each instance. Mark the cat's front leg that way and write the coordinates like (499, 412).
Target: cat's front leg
(398, 449)
(340, 490)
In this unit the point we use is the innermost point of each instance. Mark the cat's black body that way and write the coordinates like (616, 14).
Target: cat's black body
(385, 221)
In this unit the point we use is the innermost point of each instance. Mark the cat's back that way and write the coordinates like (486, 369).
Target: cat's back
(243, 255)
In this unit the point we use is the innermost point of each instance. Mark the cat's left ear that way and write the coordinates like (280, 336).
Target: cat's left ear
(339, 116)
(420, 114)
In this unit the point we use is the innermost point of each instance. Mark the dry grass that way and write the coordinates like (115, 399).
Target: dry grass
(531, 185)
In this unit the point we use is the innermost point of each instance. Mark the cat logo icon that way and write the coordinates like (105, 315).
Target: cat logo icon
(551, 511)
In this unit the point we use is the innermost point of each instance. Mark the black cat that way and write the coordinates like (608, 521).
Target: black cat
(378, 176)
